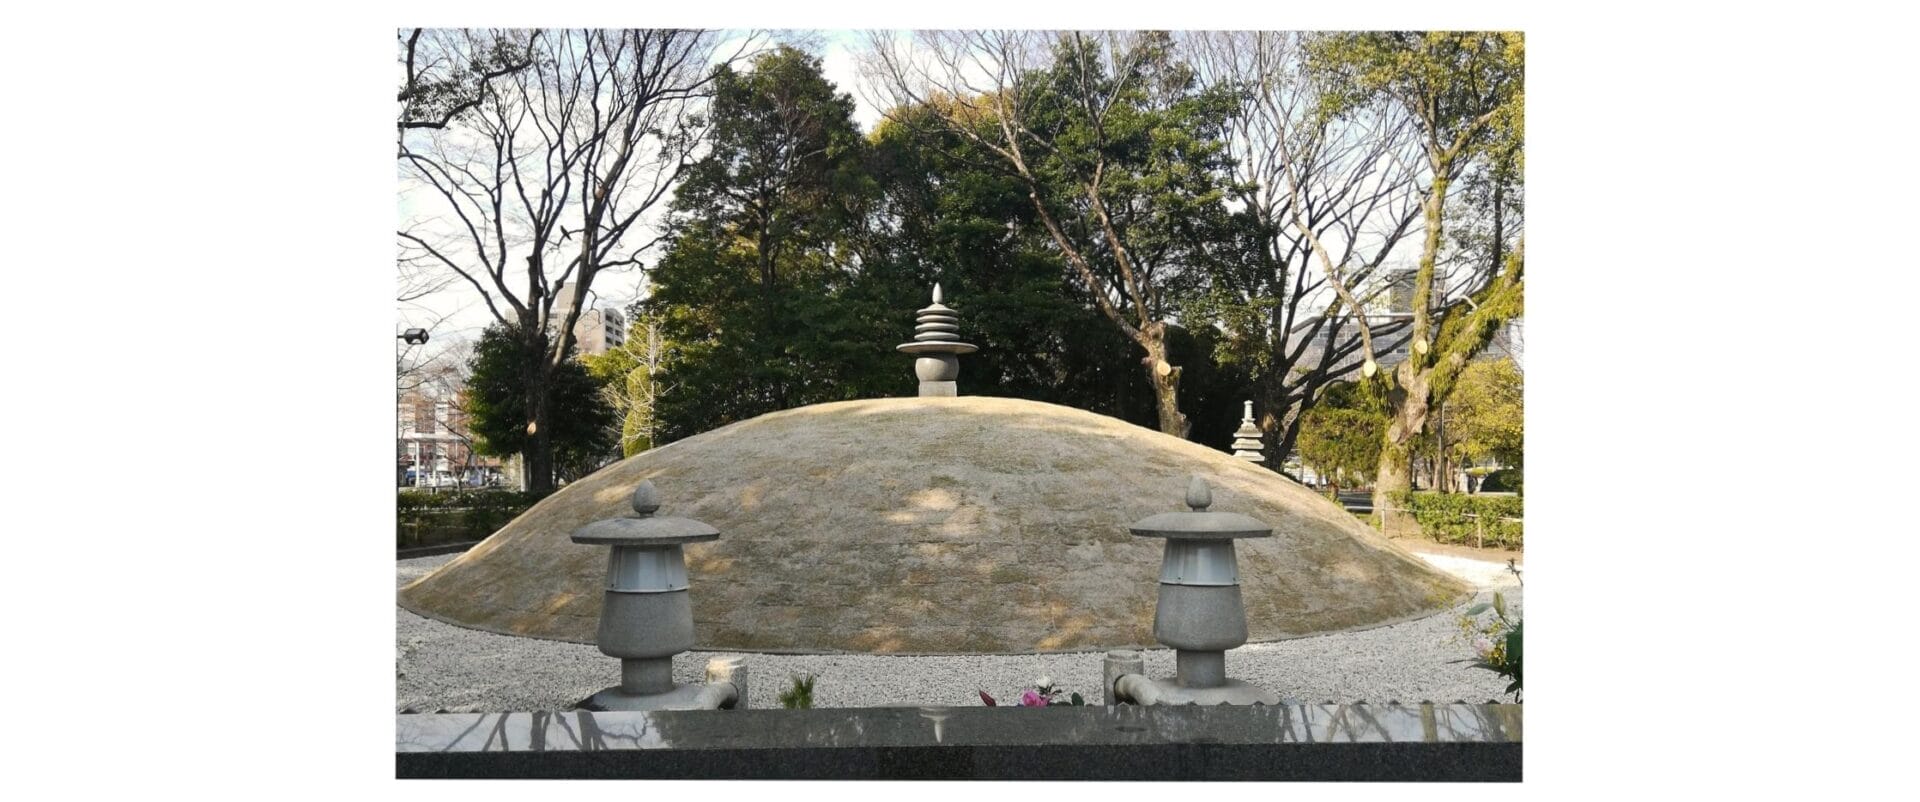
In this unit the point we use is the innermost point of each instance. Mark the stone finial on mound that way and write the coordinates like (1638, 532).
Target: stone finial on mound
(1246, 439)
(936, 343)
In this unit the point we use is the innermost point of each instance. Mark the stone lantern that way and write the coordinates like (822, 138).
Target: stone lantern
(1200, 613)
(936, 343)
(646, 617)
(1246, 439)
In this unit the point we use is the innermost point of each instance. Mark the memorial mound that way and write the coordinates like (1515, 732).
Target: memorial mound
(933, 525)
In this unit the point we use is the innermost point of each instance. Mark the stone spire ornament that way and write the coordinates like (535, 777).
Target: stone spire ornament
(936, 343)
(1246, 440)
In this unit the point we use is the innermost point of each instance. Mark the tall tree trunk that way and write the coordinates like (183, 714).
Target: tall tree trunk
(539, 459)
(1408, 399)
(1281, 425)
(1408, 403)
(1165, 379)
(1394, 475)
(538, 453)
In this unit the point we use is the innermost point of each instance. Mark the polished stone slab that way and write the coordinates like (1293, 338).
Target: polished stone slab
(1447, 742)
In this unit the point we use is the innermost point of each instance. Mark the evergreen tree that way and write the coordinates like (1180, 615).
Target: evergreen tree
(1340, 436)
(496, 402)
(757, 285)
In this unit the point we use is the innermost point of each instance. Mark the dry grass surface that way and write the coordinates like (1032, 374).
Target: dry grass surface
(933, 525)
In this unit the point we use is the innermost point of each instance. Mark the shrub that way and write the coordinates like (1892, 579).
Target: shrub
(1497, 640)
(800, 695)
(431, 519)
(1465, 519)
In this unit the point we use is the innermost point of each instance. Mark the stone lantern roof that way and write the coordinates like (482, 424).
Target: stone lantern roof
(643, 528)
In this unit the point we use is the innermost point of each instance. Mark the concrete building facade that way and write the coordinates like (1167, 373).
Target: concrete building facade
(597, 331)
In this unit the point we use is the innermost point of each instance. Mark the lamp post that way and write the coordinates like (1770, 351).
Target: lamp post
(413, 336)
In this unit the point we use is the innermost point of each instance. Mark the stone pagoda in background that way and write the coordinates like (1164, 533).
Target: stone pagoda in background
(936, 343)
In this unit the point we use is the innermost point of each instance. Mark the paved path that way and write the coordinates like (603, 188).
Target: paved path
(444, 667)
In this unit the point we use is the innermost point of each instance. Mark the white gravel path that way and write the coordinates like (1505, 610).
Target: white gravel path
(442, 667)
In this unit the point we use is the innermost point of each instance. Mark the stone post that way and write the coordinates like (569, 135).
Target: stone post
(936, 344)
(1119, 663)
(645, 615)
(732, 670)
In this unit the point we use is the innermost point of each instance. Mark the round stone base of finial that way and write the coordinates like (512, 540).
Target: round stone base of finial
(939, 389)
(936, 368)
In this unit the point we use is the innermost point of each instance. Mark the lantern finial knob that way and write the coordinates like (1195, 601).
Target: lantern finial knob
(1199, 495)
(646, 498)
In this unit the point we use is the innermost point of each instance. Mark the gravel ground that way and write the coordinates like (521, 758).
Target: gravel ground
(442, 667)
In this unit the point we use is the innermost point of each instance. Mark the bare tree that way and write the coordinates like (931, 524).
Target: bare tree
(992, 87)
(444, 73)
(1320, 197)
(541, 185)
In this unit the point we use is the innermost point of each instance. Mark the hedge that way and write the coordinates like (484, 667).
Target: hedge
(432, 519)
(1451, 517)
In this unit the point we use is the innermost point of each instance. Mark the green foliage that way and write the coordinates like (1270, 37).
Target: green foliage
(629, 387)
(956, 220)
(431, 519)
(799, 695)
(1341, 436)
(1135, 125)
(1466, 88)
(1471, 520)
(1486, 415)
(1465, 92)
(761, 289)
(416, 500)
(1497, 640)
(788, 287)
(496, 401)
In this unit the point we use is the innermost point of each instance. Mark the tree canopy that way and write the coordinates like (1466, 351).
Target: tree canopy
(1340, 437)
(1486, 413)
(1151, 226)
(496, 404)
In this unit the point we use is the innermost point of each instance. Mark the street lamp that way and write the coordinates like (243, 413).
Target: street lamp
(414, 336)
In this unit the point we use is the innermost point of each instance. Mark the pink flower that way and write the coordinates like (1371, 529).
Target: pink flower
(1031, 699)
(1483, 646)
